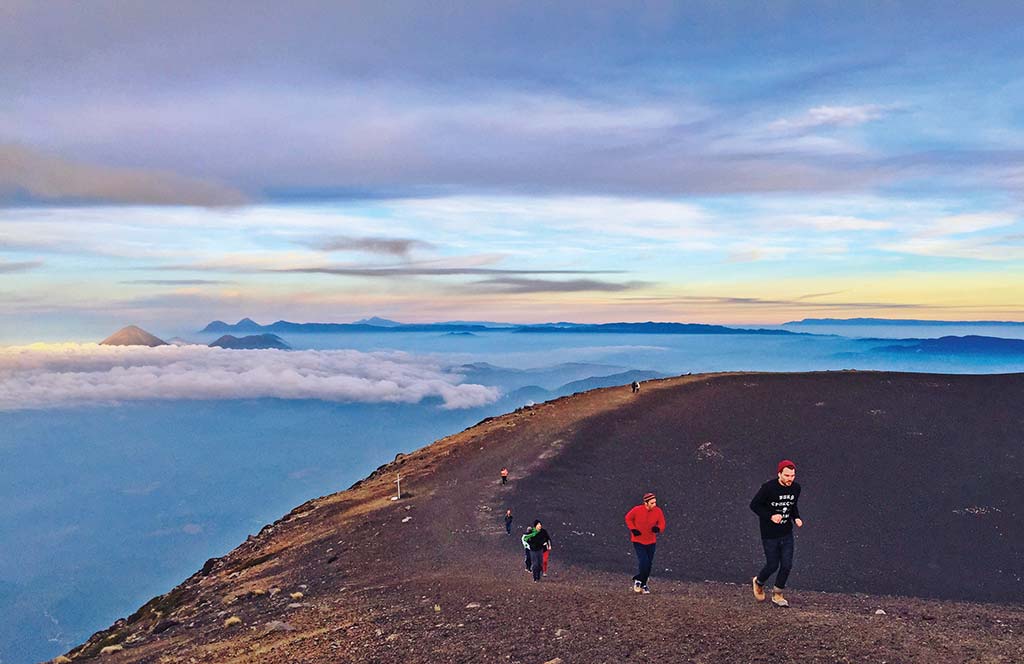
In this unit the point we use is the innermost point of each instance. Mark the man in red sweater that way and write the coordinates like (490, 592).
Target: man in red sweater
(644, 521)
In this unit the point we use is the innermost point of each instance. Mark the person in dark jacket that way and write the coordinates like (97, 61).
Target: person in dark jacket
(644, 521)
(776, 506)
(508, 521)
(537, 541)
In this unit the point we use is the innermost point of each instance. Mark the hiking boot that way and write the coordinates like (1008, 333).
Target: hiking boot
(758, 590)
(778, 600)
(638, 587)
(645, 590)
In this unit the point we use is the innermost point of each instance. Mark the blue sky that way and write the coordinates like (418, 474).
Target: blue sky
(715, 162)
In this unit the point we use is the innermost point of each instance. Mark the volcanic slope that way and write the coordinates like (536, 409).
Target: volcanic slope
(912, 549)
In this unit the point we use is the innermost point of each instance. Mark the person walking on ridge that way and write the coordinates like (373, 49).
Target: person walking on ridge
(644, 521)
(508, 521)
(525, 539)
(504, 475)
(537, 541)
(776, 506)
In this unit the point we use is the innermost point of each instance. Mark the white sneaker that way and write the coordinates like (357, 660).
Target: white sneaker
(645, 590)
(637, 587)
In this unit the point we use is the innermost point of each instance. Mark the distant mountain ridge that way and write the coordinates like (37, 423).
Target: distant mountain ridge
(650, 327)
(897, 321)
(254, 341)
(971, 344)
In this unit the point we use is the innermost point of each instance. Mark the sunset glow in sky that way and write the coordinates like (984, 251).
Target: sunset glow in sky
(166, 164)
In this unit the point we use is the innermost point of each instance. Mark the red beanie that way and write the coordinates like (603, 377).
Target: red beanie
(786, 463)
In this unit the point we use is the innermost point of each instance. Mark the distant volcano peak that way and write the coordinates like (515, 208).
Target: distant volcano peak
(132, 335)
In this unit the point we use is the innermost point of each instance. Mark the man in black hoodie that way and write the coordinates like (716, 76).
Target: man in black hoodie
(776, 505)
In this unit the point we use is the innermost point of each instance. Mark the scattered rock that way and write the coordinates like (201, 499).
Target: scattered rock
(279, 626)
(60, 660)
(879, 612)
(473, 605)
(110, 650)
(708, 452)
(296, 596)
(557, 660)
(561, 632)
(392, 637)
(165, 625)
(407, 519)
(437, 608)
(296, 605)
(232, 621)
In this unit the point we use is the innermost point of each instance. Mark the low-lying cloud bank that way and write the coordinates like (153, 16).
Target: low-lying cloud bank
(52, 375)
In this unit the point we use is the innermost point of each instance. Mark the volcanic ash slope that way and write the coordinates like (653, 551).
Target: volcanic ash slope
(912, 550)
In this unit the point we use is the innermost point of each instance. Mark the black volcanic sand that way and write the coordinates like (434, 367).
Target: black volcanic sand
(910, 490)
(911, 484)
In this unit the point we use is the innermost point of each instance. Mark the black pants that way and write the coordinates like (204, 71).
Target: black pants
(644, 560)
(504, 480)
(528, 560)
(537, 563)
(778, 555)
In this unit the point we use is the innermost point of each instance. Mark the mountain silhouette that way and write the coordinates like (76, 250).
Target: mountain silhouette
(254, 341)
(132, 336)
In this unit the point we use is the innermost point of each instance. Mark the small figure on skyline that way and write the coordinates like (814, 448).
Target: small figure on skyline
(776, 506)
(636, 386)
(504, 475)
(508, 521)
(644, 521)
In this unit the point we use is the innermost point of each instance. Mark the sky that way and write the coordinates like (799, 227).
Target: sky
(168, 164)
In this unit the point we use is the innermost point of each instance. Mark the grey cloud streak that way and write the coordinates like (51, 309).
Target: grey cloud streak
(510, 285)
(11, 267)
(374, 245)
(422, 271)
(175, 282)
(798, 302)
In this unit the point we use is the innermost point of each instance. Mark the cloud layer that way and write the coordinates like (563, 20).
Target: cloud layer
(46, 376)
(32, 175)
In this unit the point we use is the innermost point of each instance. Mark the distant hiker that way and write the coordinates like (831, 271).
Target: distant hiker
(636, 386)
(776, 505)
(537, 541)
(525, 539)
(644, 521)
(504, 475)
(508, 521)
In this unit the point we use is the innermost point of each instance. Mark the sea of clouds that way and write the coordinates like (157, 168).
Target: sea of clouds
(53, 375)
